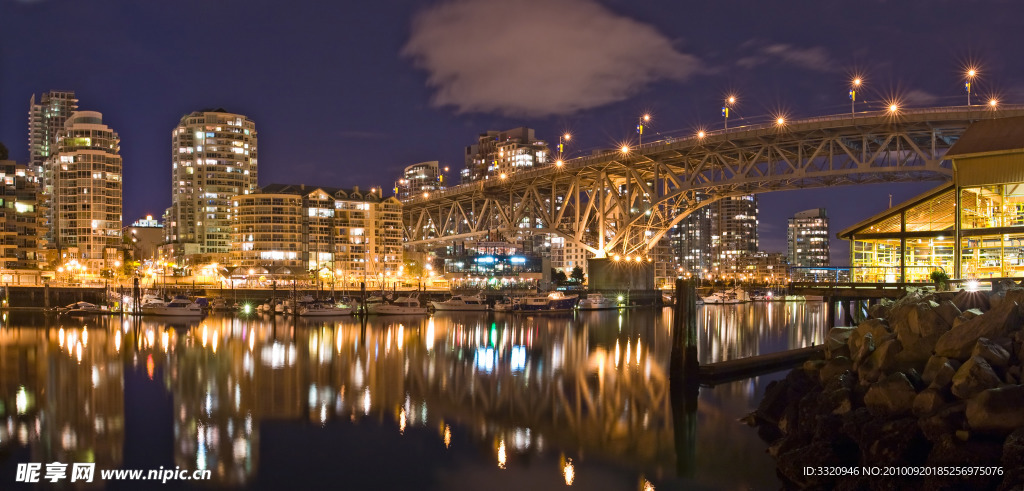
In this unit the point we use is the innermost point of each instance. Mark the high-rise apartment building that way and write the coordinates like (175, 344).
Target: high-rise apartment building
(420, 179)
(86, 196)
(213, 159)
(20, 222)
(807, 238)
(46, 118)
(345, 234)
(708, 241)
(504, 152)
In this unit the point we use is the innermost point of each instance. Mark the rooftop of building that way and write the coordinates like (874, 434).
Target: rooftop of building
(990, 136)
(303, 190)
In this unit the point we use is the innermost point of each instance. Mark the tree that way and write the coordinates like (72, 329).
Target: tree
(3, 151)
(577, 275)
(558, 277)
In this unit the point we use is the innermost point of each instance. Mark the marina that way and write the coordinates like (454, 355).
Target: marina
(228, 393)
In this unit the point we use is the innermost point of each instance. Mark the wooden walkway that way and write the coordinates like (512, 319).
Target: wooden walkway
(742, 368)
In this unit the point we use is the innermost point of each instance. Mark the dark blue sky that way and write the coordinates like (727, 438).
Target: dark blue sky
(348, 93)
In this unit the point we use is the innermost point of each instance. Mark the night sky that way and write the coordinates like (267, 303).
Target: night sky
(349, 93)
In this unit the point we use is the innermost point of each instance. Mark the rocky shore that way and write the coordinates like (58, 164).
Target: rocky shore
(929, 380)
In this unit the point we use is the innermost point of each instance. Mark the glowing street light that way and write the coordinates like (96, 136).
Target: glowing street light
(504, 175)
(640, 126)
(559, 163)
(701, 134)
(780, 121)
(894, 108)
(854, 85)
(624, 149)
(729, 103)
(992, 103)
(971, 74)
(561, 144)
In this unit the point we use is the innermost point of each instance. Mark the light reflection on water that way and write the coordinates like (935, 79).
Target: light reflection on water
(556, 400)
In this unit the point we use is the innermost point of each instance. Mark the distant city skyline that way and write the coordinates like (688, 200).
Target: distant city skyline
(356, 106)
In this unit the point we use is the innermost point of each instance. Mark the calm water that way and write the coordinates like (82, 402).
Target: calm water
(454, 401)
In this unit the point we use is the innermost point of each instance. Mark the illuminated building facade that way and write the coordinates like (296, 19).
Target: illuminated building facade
(86, 197)
(807, 238)
(763, 267)
(972, 227)
(419, 180)
(504, 152)
(213, 158)
(20, 221)
(691, 241)
(144, 237)
(46, 120)
(347, 235)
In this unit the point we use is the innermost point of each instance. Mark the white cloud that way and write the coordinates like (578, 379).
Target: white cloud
(538, 57)
(813, 58)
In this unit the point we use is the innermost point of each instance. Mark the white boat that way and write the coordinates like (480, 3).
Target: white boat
(507, 304)
(322, 310)
(551, 302)
(84, 308)
(727, 297)
(179, 307)
(401, 305)
(596, 301)
(463, 302)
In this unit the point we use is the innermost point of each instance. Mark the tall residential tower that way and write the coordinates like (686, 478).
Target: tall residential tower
(86, 196)
(213, 158)
(807, 238)
(46, 118)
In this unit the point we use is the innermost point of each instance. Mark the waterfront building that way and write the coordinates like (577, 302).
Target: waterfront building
(567, 255)
(972, 227)
(46, 118)
(494, 264)
(691, 241)
(86, 194)
(420, 180)
(292, 231)
(21, 224)
(762, 267)
(144, 238)
(213, 158)
(498, 153)
(708, 242)
(807, 238)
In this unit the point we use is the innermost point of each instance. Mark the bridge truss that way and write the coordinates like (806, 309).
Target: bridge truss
(624, 202)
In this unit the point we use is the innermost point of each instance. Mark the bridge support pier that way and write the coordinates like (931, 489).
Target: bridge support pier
(683, 377)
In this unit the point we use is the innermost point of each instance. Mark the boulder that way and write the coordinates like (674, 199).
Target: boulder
(948, 311)
(965, 300)
(894, 395)
(1013, 460)
(996, 323)
(999, 410)
(882, 361)
(835, 341)
(944, 421)
(966, 316)
(926, 319)
(942, 379)
(973, 377)
(934, 364)
(1015, 294)
(833, 368)
(994, 354)
(899, 441)
(878, 310)
(878, 328)
(928, 401)
(865, 346)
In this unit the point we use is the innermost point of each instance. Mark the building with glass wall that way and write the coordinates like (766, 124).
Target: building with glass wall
(807, 238)
(420, 180)
(972, 227)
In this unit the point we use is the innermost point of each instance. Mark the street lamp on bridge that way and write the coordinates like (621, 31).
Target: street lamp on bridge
(971, 74)
(729, 103)
(640, 127)
(854, 85)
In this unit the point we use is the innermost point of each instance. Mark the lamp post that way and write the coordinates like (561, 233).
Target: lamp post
(561, 144)
(854, 85)
(640, 127)
(729, 103)
(971, 74)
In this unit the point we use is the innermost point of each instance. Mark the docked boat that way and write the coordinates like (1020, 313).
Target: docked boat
(322, 310)
(551, 302)
(179, 307)
(222, 305)
(727, 297)
(407, 305)
(507, 304)
(597, 301)
(463, 302)
(84, 308)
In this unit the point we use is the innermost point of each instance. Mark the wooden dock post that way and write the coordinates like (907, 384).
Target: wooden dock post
(683, 377)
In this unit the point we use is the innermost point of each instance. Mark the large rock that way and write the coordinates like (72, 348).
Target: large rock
(893, 395)
(994, 354)
(835, 341)
(928, 401)
(882, 361)
(966, 316)
(1013, 460)
(833, 368)
(935, 363)
(878, 328)
(996, 323)
(865, 346)
(973, 377)
(965, 300)
(948, 311)
(999, 410)
(942, 379)
(944, 421)
(878, 310)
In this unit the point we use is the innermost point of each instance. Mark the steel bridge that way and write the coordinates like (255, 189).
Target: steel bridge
(624, 201)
